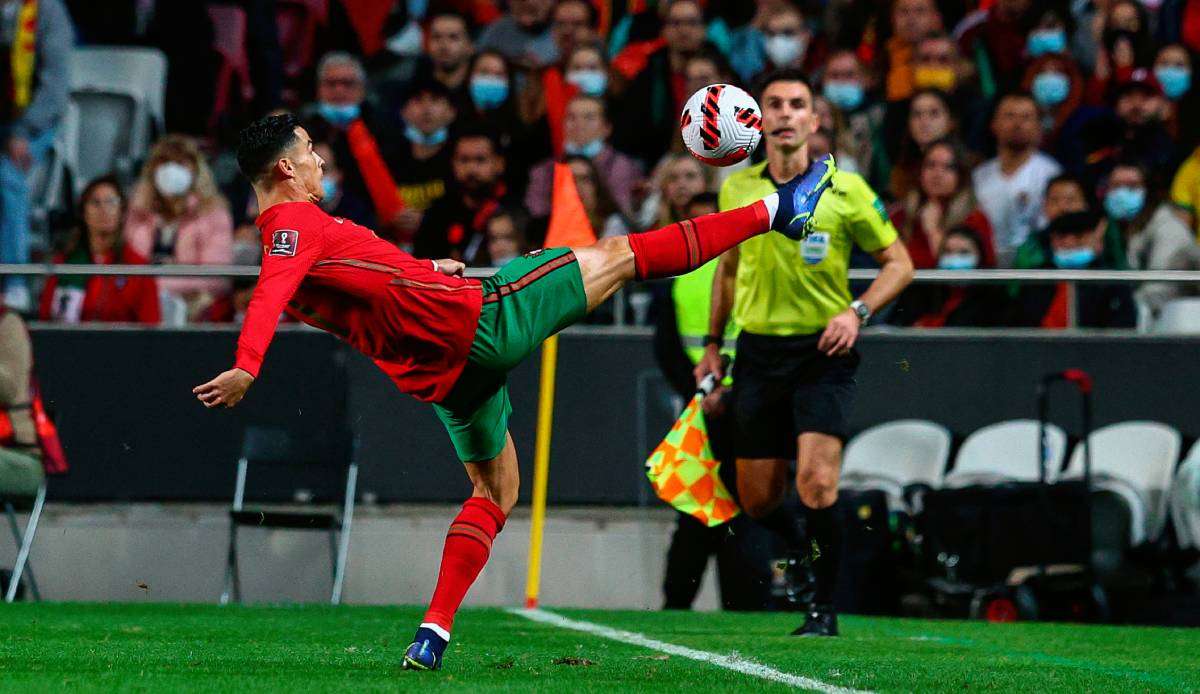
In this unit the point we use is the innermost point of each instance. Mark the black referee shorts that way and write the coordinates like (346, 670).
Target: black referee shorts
(784, 387)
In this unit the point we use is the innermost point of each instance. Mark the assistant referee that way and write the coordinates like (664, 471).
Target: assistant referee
(794, 378)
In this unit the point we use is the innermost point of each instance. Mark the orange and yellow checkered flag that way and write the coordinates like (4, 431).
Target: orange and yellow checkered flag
(683, 471)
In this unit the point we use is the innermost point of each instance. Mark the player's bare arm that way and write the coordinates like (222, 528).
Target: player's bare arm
(895, 273)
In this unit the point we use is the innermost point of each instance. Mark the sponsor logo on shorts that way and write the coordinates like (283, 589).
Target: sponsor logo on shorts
(283, 242)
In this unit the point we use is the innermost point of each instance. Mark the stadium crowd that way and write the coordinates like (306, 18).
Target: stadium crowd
(1002, 133)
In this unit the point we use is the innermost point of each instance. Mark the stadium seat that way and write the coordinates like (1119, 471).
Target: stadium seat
(269, 446)
(1006, 452)
(229, 42)
(1185, 501)
(894, 456)
(118, 93)
(49, 180)
(1136, 462)
(24, 540)
(1179, 316)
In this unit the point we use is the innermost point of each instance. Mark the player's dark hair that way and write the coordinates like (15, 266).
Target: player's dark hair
(783, 74)
(261, 143)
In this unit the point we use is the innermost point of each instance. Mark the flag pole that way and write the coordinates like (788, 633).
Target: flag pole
(541, 469)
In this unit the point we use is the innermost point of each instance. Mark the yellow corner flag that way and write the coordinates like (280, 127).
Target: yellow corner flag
(683, 470)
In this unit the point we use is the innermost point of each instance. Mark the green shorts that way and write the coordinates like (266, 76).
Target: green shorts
(528, 300)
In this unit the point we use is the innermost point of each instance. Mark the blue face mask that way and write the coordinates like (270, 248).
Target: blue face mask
(339, 116)
(1046, 41)
(488, 92)
(417, 137)
(958, 261)
(1123, 204)
(1175, 80)
(587, 149)
(330, 189)
(1051, 88)
(1074, 258)
(590, 82)
(846, 96)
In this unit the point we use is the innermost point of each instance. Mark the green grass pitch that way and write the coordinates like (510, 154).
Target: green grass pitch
(163, 648)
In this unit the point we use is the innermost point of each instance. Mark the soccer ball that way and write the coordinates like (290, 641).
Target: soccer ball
(721, 124)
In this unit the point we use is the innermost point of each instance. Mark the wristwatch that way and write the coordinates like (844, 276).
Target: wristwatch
(717, 340)
(861, 310)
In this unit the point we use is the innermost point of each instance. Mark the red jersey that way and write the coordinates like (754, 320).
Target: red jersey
(415, 322)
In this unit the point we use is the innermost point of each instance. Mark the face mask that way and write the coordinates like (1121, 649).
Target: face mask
(587, 149)
(782, 50)
(846, 96)
(1175, 80)
(1051, 88)
(1074, 258)
(417, 137)
(488, 92)
(943, 78)
(1123, 204)
(590, 82)
(172, 179)
(407, 41)
(1046, 41)
(329, 189)
(339, 116)
(958, 261)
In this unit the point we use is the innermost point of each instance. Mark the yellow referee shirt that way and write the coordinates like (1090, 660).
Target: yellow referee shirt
(787, 287)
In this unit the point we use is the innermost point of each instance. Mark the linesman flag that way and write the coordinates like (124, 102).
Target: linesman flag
(683, 470)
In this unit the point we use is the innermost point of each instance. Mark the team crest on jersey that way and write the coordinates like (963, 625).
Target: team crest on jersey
(283, 242)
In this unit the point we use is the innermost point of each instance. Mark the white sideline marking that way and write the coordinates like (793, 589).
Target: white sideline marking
(729, 662)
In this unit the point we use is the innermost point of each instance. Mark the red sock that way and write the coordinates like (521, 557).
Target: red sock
(468, 544)
(685, 246)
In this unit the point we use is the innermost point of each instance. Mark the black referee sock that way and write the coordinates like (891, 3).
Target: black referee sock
(826, 534)
(785, 522)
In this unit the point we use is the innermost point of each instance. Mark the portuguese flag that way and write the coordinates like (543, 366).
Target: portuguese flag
(683, 470)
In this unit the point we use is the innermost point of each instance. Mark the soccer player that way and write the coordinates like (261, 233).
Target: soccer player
(794, 376)
(445, 339)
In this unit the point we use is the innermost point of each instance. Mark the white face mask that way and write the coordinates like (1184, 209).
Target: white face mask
(172, 179)
(782, 50)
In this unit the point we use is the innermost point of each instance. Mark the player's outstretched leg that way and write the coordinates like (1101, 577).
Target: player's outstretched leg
(682, 247)
(468, 544)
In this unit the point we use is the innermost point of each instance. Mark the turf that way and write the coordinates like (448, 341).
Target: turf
(154, 647)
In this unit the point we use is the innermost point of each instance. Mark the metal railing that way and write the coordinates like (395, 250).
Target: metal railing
(1073, 278)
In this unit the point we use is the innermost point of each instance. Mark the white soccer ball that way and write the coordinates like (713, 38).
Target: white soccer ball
(721, 124)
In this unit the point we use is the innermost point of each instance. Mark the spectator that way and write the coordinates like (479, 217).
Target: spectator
(605, 215)
(1173, 70)
(1009, 187)
(1073, 241)
(573, 24)
(997, 38)
(678, 179)
(21, 465)
(338, 200)
(420, 161)
(1064, 193)
(523, 33)
(341, 100)
(938, 64)
(177, 215)
(232, 309)
(34, 80)
(1154, 238)
(930, 118)
(453, 226)
(654, 97)
(449, 49)
(783, 38)
(911, 21)
(1048, 35)
(1057, 87)
(494, 105)
(76, 298)
(857, 117)
(953, 306)
(505, 234)
(586, 131)
(586, 70)
(942, 201)
(1133, 130)
(1185, 191)
(1125, 45)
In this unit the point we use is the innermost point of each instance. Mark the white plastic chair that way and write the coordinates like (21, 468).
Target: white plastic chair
(1185, 501)
(892, 456)
(1136, 462)
(119, 93)
(1179, 316)
(1006, 452)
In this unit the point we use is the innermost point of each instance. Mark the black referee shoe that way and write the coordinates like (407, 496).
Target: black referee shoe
(821, 620)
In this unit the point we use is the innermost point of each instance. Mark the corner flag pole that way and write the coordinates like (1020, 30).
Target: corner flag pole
(541, 468)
